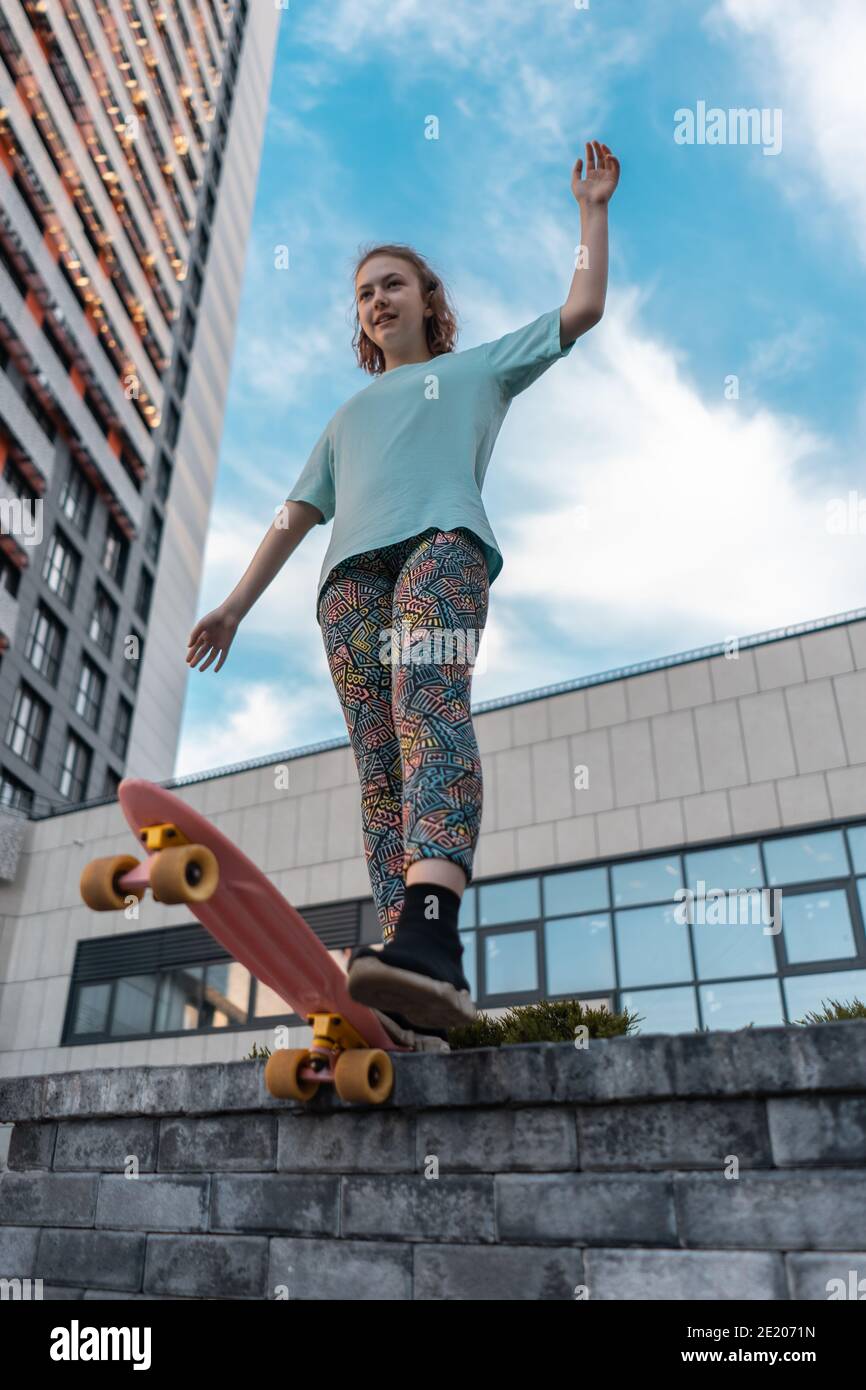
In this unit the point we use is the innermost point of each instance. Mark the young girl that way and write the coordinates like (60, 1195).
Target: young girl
(403, 591)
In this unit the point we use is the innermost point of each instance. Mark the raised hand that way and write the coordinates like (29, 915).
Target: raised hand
(602, 176)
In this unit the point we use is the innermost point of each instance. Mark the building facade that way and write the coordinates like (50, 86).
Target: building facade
(607, 800)
(130, 136)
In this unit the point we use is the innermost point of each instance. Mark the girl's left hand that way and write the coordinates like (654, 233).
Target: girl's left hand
(602, 176)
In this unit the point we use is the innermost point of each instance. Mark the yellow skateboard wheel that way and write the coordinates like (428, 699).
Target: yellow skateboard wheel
(98, 883)
(184, 874)
(281, 1074)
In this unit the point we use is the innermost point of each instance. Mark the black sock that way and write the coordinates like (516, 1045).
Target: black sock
(430, 940)
(431, 907)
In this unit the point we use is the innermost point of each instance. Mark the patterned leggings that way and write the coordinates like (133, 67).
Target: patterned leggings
(403, 684)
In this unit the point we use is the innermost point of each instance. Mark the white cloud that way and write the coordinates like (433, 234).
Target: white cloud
(254, 719)
(814, 53)
(701, 521)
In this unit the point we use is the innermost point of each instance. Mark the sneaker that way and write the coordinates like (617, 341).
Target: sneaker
(408, 1035)
(425, 986)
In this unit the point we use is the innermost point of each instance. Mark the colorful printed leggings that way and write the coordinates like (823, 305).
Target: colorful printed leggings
(404, 689)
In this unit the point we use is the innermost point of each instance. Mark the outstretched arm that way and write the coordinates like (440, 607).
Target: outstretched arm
(585, 303)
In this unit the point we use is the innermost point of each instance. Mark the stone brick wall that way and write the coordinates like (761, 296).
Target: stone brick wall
(708, 1166)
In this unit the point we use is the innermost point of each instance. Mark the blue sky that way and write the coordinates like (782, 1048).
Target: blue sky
(640, 509)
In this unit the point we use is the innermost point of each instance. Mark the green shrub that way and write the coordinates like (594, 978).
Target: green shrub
(555, 1020)
(834, 1012)
(550, 1020)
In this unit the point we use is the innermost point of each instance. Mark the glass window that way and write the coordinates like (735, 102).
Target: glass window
(111, 781)
(154, 535)
(226, 995)
(810, 993)
(14, 793)
(646, 880)
(861, 889)
(269, 1004)
(585, 890)
(652, 946)
(45, 642)
(817, 926)
(122, 727)
(76, 498)
(28, 722)
(738, 1004)
(515, 901)
(179, 996)
(469, 907)
(468, 961)
(91, 1008)
(738, 945)
(75, 769)
(89, 693)
(133, 1005)
(801, 858)
(662, 1010)
(115, 552)
(144, 594)
(728, 868)
(857, 846)
(579, 954)
(510, 962)
(103, 621)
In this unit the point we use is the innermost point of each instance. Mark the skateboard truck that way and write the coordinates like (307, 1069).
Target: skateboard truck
(176, 871)
(161, 836)
(332, 1034)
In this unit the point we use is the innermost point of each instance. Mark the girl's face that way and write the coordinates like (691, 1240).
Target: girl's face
(387, 289)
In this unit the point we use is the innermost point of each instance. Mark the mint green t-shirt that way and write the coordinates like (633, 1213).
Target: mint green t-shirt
(411, 450)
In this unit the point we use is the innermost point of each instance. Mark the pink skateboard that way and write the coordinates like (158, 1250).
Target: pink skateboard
(189, 861)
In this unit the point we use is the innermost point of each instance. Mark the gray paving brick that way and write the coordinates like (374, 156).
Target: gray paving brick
(22, 1098)
(502, 1272)
(817, 1129)
(496, 1140)
(18, 1251)
(346, 1142)
(47, 1199)
(673, 1134)
(206, 1266)
(31, 1146)
(683, 1275)
(217, 1143)
(819, 1277)
(290, 1204)
(348, 1270)
(112, 1259)
(154, 1202)
(781, 1209)
(591, 1208)
(105, 1145)
(419, 1207)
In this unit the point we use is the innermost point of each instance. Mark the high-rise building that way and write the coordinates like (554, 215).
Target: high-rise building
(130, 138)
